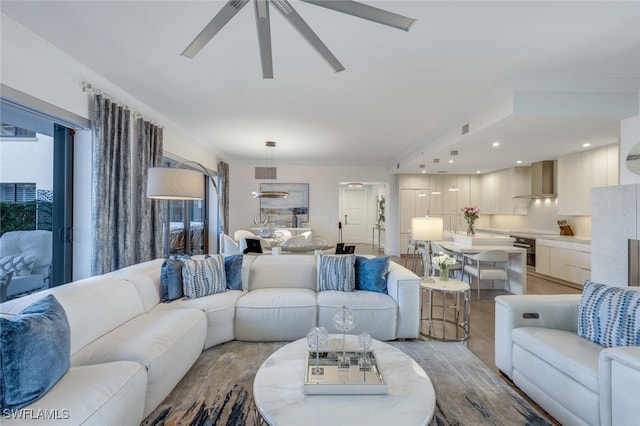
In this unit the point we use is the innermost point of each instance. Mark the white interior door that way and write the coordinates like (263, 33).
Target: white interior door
(354, 215)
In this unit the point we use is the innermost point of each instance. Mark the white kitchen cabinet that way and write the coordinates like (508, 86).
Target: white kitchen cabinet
(498, 188)
(565, 260)
(579, 173)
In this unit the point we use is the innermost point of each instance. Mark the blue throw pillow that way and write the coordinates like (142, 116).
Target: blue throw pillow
(233, 271)
(203, 277)
(171, 280)
(35, 348)
(609, 316)
(371, 274)
(336, 272)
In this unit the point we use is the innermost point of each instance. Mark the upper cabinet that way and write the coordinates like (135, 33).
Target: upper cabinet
(578, 173)
(496, 191)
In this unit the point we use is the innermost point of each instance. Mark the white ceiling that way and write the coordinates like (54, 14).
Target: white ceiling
(403, 95)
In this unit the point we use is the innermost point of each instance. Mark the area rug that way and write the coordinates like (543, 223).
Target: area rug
(218, 388)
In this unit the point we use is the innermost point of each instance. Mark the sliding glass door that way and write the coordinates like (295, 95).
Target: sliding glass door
(36, 196)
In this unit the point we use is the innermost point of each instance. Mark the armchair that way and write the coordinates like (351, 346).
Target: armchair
(28, 255)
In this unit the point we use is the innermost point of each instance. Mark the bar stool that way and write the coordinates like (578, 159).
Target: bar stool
(487, 265)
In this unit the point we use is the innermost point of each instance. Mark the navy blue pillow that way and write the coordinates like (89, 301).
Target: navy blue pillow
(233, 271)
(171, 280)
(35, 348)
(371, 274)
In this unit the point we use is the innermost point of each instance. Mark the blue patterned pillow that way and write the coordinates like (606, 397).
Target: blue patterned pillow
(233, 271)
(609, 316)
(203, 277)
(35, 348)
(371, 274)
(336, 272)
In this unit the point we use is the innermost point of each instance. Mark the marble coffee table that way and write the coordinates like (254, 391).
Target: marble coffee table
(278, 390)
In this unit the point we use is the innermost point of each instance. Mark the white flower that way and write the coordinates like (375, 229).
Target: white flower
(444, 260)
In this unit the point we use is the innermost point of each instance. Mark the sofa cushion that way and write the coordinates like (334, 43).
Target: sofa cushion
(336, 272)
(609, 316)
(202, 277)
(94, 306)
(171, 280)
(19, 264)
(272, 314)
(34, 352)
(564, 350)
(166, 343)
(101, 394)
(371, 274)
(233, 271)
(283, 271)
(376, 313)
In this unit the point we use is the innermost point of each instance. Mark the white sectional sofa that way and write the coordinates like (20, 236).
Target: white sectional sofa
(129, 350)
(577, 381)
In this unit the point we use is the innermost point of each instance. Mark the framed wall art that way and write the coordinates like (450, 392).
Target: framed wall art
(292, 211)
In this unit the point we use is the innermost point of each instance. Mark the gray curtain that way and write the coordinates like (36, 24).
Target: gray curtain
(148, 241)
(223, 179)
(111, 204)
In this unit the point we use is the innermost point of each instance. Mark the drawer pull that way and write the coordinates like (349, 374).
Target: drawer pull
(530, 315)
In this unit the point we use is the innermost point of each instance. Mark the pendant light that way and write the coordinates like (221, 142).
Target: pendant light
(270, 172)
(435, 188)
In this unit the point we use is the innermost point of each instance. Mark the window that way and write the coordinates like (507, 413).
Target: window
(19, 192)
(9, 131)
(186, 222)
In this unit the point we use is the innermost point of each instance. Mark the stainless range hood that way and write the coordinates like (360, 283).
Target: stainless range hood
(541, 181)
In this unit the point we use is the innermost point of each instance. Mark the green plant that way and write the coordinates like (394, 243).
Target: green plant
(24, 216)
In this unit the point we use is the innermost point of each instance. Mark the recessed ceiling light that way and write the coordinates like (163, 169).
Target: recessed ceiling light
(495, 144)
(424, 171)
(586, 145)
(478, 171)
(451, 161)
(519, 162)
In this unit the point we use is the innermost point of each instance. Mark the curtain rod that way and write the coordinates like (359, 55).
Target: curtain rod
(87, 87)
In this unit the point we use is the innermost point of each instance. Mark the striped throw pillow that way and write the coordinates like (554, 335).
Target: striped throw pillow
(203, 277)
(336, 272)
(609, 316)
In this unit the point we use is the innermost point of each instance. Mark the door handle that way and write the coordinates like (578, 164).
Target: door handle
(345, 220)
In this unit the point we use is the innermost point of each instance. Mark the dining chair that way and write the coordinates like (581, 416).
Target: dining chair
(242, 233)
(295, 241)
(231, 247)
(308, 236)
(487, 265)
(456, 268)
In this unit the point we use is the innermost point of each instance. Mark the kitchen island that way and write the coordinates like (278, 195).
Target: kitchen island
(516, 265)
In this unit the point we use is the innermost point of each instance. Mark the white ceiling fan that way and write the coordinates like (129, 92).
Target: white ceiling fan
(353, 8)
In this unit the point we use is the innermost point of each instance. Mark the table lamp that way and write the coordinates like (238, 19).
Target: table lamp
(427, 229)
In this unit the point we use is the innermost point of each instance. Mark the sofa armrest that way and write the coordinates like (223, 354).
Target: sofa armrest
(404, 286)
(547, 311)
(619, 382)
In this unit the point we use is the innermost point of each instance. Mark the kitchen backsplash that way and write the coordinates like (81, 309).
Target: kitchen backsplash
(542, 217)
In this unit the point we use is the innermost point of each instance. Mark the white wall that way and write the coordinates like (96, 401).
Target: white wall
(27, 161)
(324, 188)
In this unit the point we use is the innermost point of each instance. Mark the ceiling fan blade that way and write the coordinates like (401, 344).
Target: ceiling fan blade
(264, 37)
(364, 11)
(305, 30)
(220, 20)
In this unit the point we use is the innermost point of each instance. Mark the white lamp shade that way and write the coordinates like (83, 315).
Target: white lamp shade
(427, 228)
(167, 183)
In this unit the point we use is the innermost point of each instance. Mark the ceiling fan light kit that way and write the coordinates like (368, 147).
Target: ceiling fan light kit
(263, 26)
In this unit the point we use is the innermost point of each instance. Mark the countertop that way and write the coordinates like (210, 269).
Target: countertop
(546, 235)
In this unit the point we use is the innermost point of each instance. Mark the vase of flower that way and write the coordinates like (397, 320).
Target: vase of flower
(444, 262)
(471, 214)
(444, 273)
(471, 229)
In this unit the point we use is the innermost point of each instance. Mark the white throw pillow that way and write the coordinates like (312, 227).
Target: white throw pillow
(17, 263)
